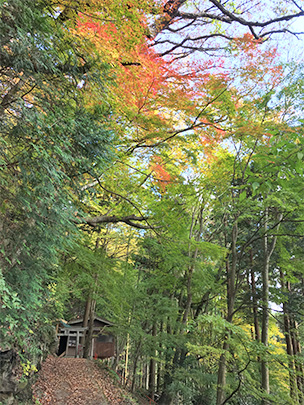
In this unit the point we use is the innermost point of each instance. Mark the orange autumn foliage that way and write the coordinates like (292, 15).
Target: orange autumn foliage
(152, 95)
(162, 177)
(258, 64)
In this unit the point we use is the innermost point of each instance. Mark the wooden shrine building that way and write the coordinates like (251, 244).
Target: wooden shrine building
(71, 336)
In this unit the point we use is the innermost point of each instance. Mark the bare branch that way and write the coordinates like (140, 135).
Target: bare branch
(170, 10)
(230, 17)
(282, 31)
(182, 44)
(176, 30)
(296, 4)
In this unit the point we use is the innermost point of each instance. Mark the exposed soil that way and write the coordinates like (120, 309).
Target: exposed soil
(66, 381)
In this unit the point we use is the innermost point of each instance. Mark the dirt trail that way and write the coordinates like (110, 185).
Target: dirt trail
(65, 381)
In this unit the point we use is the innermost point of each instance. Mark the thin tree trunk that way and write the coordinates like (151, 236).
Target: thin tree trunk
(88, 341)
(289, 347)
(298, 362)
(193, 257)
(231, 292)
(152, 368)
(254, 301)
(221, 377)
(166, 398)
(126, 374)
(87, 312)
(135, 365)
(189, 295)
(158, 377)
(143, 378)
(268, 251)
(265, 325)
(296, 347)
(86, 318)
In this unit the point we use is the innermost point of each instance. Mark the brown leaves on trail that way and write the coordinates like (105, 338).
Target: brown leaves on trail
(69, 381)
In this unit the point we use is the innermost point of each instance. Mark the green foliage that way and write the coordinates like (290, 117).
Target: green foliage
(49, 140)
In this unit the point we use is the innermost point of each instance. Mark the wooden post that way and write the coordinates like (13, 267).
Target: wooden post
(92, 349)
(67, 346)
(77, 344)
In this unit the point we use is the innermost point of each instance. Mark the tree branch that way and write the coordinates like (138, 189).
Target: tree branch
(113, 219)
(229, 17)
(170, 11)
(195, 124)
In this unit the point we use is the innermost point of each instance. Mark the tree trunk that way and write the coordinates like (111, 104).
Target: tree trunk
(231, 292)
(152, 368)
(257, 332)
(189, 295)
(158, 377)
(265, 324)
(221, 377)
(180, 353)
(88, 340)
(289, 347)
(86, 318)
(135, 366)
(268, 251)
(87, 310)
(166, 398)
(126, 373)
(298, 363)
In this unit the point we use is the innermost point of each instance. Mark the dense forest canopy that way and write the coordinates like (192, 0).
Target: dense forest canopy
(152, 173)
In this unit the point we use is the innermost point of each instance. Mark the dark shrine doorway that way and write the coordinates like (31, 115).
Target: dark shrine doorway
(62, 345)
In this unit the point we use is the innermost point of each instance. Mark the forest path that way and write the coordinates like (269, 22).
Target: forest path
(69, 381)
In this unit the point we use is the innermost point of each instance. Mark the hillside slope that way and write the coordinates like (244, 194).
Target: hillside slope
(69, 381)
